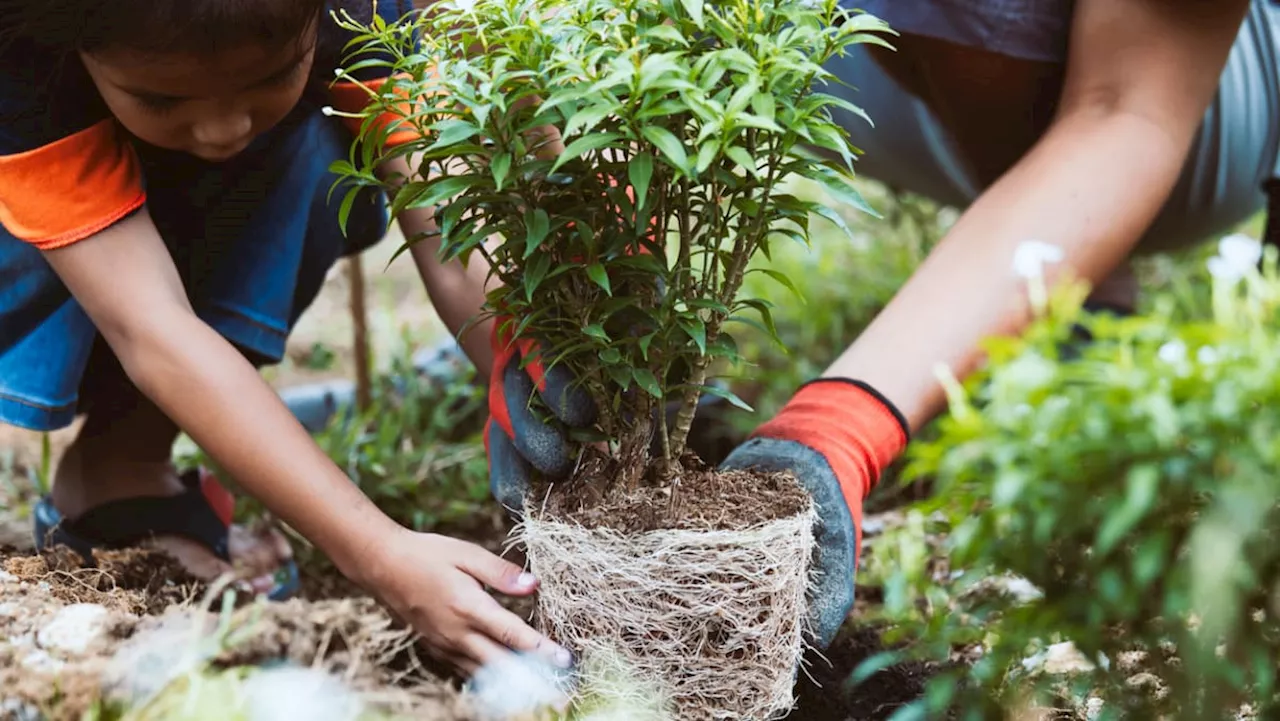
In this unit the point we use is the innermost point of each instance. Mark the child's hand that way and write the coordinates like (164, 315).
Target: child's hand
(437, 585)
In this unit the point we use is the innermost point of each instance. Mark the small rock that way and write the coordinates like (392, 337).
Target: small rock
(1149, 681)
(12, 708)
(1060, 658)
(6, 577)
(75, 629)
(286, 693)
(1130, 660)
(41, 662)
(1020, 589)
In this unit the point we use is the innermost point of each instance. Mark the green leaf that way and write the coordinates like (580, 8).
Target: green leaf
(728, 396)
(1142, 484)
(873, 666)
(537, 224)
(694, 8)
(640, 172)
(697, 331)
(600, 277)
(439, 190)
(740, 156)
(452, 132)
(764, 105)
(595, 330)
(534, 273)
(500, 166)
(670, 146)
(766, 315)
(587, 118)
(582, 145)
(344, 210)
(655, 66)
(646, 380)
(645, 342)
(610, 356)
(706, 154)
(620, 374)
(782, 280)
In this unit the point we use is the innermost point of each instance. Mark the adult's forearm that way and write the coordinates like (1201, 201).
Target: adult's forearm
(218, 398)
(458, 295)
(1092, 186)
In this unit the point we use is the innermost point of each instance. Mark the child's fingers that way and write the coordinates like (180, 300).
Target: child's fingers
(493, 571)
(509, 632)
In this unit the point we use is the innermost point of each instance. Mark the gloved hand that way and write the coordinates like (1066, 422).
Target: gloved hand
(516, 440)
(837, 436)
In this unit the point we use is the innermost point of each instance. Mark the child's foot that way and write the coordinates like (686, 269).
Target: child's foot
(84, 482)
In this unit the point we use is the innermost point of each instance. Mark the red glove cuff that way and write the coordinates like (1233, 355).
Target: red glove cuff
(855, 428)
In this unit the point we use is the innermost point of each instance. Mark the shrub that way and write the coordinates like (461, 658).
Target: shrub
(623, 252)
(1133, 482)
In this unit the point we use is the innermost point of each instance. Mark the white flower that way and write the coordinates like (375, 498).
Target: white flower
(517, 685)
(1237, 255)
(1031, 256)
(1207, 355)
(1173, 352)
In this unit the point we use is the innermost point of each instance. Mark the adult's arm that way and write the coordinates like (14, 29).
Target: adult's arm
(1140, 74)
(456, 292)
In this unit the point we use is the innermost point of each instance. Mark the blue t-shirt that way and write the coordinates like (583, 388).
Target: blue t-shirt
(1028, 29)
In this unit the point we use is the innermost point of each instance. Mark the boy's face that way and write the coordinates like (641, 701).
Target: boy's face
(211, 107)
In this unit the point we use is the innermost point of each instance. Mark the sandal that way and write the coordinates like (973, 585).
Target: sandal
(201, 513)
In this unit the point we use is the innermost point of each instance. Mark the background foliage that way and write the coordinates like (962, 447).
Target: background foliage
(1131, 481)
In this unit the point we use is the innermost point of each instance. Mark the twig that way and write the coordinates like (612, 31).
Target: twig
(360, 333)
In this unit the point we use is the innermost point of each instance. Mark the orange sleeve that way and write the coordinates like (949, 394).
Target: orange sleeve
(70, 189)
(351, 96)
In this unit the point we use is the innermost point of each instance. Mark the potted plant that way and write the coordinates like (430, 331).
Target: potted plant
(617, 164)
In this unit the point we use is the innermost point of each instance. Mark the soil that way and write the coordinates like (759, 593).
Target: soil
(139, 585)
(701, 499)
(823, 693)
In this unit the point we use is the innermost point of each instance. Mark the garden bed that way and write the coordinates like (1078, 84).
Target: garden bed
(72, 639)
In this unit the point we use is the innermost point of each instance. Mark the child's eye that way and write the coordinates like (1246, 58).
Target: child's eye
(158, 103)
(283, 77)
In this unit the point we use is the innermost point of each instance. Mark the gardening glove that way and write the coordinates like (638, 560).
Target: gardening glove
(516, 440)
(837, 436)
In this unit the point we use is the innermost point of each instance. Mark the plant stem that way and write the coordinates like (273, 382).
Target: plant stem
(360, 333)
(743, 247)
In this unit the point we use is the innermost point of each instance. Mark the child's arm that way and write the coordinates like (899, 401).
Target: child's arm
(126, 281)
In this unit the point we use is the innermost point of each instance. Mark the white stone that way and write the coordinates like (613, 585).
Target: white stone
(1058, 659)
(75, 628)
(517, 685)
(41, 662)
(289, 692)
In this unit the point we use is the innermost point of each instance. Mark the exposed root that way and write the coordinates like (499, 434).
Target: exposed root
(714, 619)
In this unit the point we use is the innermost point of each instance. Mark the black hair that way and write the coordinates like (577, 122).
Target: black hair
(158, 27)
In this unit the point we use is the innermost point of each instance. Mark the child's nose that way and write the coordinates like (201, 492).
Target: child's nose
(223, 130)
